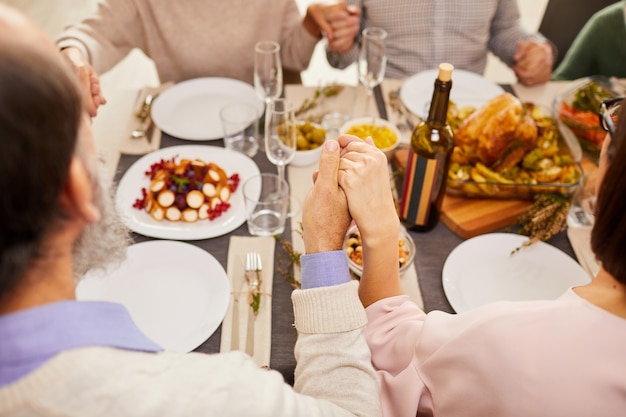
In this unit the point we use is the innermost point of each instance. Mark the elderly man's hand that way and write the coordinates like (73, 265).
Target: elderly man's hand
(89, 80)
(325, 217)
(338, 21)
(533, 62)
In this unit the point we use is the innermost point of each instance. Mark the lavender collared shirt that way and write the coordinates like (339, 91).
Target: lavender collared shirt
(30, 337)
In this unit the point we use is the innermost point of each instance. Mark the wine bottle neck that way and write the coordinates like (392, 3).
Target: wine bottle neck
(439, 103)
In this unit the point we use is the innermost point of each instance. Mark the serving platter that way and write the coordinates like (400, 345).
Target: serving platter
(140, 221)
(176, 293)
(190, 109)
(486, 269)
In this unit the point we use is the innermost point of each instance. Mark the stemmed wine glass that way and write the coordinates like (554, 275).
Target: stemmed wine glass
(280, 134)
(372, 60)
(268, 71)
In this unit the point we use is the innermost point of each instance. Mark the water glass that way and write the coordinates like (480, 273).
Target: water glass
(267, 203)
(240, 123)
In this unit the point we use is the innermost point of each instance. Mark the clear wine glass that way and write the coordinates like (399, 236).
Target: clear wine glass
(372, 60)
(280, 134)
(268, 71)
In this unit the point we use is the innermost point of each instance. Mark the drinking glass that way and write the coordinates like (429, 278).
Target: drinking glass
(372, 60)
(280, 134)
(267, 201)
(268, 71)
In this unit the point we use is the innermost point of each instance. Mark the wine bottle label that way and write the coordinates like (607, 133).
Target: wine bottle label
(421, 182)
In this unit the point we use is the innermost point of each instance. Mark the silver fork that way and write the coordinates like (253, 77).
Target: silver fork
(253, 278)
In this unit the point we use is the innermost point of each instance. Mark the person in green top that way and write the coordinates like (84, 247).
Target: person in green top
(599, 48)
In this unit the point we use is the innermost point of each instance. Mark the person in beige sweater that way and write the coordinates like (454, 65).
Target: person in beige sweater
(200, 38)
(63, 357)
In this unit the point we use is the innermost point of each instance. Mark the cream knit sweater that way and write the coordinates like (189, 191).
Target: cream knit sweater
(333, 366)
(192, 38)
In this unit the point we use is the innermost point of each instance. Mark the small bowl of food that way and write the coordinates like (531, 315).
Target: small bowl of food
(309, 139)
(354, 251)
(384, 133)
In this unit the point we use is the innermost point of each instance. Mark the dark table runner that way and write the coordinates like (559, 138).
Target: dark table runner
(432, 250)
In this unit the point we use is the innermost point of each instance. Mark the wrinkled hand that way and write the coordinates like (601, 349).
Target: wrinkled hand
(339, 22)
(533, 62)
(89, 80)
(364, 177)
(325, 217)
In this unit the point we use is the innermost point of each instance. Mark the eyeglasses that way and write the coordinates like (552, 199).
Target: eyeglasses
(609, 111)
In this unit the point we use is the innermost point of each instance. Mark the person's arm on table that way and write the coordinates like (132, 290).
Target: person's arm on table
(364, 176)
(333, 360)
(394, 321)
(529, 55)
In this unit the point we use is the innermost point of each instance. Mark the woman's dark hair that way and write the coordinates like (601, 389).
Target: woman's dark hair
(40, 111)
(608, 237)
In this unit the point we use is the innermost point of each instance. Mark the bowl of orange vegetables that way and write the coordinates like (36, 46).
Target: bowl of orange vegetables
(578, 110)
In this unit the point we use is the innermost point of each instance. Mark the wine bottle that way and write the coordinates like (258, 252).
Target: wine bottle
(426, 171)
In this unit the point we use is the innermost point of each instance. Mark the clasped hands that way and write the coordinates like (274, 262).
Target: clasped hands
(352, 183)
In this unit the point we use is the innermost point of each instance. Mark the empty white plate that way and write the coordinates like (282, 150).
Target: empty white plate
(176, 293)
(190, 109)
(482, 270)
(468, 89)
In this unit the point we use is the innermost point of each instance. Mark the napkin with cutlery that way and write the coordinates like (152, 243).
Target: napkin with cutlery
(142, 145)
(238, 308)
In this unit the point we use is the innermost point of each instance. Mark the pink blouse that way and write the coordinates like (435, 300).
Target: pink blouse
(565, 357)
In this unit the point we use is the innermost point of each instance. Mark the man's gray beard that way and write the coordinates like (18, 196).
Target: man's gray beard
(102, 244)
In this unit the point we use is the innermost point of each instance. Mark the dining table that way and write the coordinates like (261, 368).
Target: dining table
(432, 248)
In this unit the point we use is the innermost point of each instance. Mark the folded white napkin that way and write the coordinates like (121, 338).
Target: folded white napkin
(580, 239)
(238, 247)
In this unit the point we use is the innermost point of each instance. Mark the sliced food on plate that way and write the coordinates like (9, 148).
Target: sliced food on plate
(187, 190)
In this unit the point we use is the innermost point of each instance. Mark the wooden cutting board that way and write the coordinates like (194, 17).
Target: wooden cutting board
(469, 217)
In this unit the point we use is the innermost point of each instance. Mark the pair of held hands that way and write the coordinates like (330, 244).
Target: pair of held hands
(352, 183)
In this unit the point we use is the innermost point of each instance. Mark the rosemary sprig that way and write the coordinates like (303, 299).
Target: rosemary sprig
(285, 268)
(309, 104)
(545, 218)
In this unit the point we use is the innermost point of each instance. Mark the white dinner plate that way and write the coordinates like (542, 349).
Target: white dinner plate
(140, 221)
(482, 270)
(176, 293)
(190, 109)
(468, 89)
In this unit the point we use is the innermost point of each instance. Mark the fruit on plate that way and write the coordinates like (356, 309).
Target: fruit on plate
(188, 191)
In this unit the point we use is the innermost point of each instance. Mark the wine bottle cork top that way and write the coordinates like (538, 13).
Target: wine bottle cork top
(445, 71)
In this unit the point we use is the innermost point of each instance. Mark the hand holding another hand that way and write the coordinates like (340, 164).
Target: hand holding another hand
(339, 22)
(533, 62)
(325, 217)
(364, 177)
(89, 80)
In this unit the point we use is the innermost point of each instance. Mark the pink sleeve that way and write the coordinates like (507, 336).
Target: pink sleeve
(392, 333)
